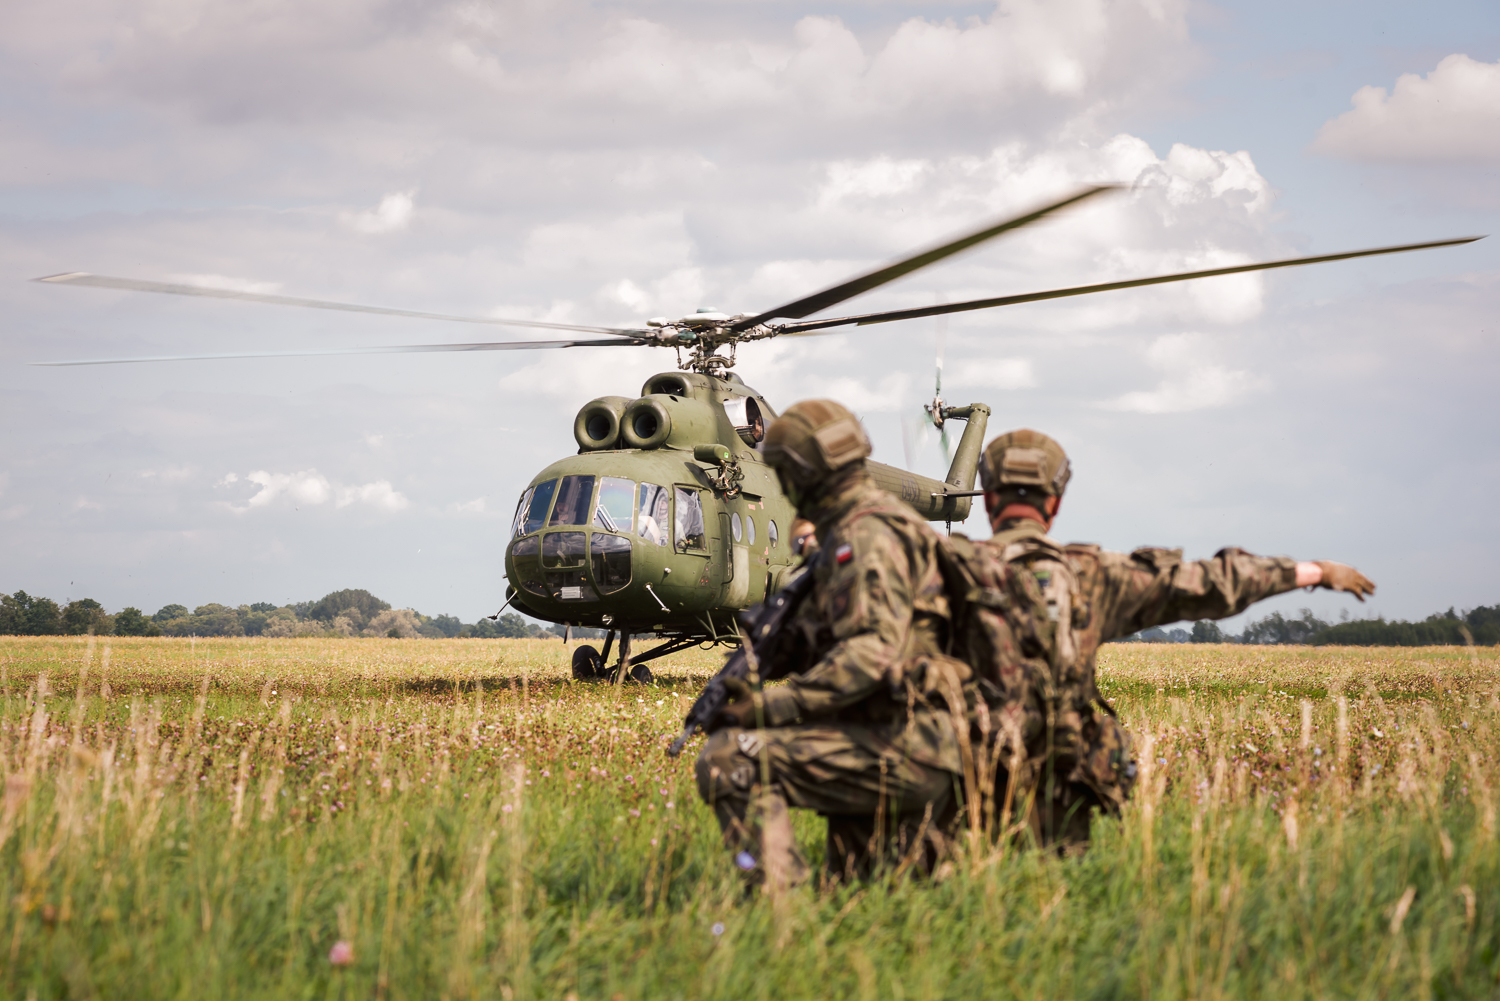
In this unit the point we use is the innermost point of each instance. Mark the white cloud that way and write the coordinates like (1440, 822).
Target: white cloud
(1453, 113)
(310, 488)
(379, 494)
(306, 487)
(1191, 381)
(392, 215)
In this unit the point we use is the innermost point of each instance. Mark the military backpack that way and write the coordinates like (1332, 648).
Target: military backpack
(1016, 606)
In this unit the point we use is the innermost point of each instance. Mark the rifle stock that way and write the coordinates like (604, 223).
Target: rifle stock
(767, 621)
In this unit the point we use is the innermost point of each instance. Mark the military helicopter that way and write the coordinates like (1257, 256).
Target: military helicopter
(666, 522)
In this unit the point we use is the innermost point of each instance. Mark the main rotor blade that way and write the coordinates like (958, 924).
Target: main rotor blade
(1011, 300)
(864, 283)
(169, 288)
(387, 349)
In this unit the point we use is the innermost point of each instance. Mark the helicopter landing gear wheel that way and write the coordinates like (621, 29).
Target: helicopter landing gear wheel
(587, 664)
(642, 674)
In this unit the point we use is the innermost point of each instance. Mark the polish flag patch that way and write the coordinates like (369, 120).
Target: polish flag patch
(843, 554)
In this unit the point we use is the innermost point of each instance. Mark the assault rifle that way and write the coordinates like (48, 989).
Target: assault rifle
(765, 622)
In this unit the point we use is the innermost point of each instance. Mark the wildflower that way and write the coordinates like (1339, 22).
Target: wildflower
(717, 929)
(342, 953)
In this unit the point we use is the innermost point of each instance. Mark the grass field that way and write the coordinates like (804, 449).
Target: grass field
(208, 818)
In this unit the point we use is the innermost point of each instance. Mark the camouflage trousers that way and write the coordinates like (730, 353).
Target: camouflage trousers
(882, 807)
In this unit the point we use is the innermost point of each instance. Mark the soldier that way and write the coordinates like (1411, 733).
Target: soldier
(1037, 613)
(859, 732)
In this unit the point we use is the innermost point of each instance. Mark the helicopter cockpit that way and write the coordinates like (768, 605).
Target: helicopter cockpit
(573, 542)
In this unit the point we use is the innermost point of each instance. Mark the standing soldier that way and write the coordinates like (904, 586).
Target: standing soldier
(1037, 613)
(859, 732)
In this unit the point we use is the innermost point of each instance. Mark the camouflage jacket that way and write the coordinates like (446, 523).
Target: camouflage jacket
(1036, 613)
(1052, 607)
(867, 646)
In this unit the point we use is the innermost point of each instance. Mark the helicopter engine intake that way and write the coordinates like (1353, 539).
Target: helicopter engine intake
(597, 425)
(646, 423)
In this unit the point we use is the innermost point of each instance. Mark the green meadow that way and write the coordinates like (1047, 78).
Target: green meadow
(210, 818)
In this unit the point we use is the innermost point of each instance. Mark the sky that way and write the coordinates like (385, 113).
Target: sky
(608, 162)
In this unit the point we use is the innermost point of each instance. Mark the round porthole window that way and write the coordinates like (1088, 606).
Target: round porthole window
(750, 528)
(771, 532)
(735, 526)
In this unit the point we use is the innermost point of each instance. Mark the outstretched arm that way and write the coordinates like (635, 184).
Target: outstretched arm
(1153, 586)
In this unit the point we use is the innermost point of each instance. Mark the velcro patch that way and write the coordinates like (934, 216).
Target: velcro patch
(843, 554)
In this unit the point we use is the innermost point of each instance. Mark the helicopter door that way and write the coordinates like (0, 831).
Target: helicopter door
(736, 558)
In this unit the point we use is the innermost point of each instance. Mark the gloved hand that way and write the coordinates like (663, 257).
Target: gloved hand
(1338, 577)
(740, 709)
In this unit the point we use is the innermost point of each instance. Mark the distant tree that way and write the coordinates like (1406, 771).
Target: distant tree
(1207, 631)
(23, 615)
(131, 622)
(331, 606)
(508, 626)
(579, 632)
(1156, 634)
(1441, 629)
(86, 615)
(443, 625)
(263, 606)
(206, 620)
(254, 622)
(170, 612)
(1276, 628)
(395, 623)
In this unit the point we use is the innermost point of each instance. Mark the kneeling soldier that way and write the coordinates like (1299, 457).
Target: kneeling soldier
(1035, 614)
(860, 731)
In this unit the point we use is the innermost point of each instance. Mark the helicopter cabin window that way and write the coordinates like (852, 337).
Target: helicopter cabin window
(562, 549)
(735, 526)
(616, 504)
(655, 505)
(744, 413)
(771, 531)
(573, 497)
(750, 528)
(610, 557)
(688, 529)
(533, 510)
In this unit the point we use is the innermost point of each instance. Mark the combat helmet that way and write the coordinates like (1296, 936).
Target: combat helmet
(1026, 463)
(813, 439)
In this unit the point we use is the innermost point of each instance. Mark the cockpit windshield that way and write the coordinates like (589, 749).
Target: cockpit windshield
(532, 511)
(616, 504)
(574, 495)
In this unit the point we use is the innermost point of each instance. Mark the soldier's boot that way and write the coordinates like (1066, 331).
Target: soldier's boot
(851, 848)
(758, 829)
(1061, 823)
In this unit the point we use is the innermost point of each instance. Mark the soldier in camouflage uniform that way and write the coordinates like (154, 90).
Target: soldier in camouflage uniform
(1035, 613)
(860, 731)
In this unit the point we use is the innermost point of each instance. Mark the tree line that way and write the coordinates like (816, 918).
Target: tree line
(351, 612)
(1479, 626)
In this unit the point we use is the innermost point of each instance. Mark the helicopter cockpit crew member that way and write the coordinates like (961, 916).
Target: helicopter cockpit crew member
(1040, 611)
(858, 732)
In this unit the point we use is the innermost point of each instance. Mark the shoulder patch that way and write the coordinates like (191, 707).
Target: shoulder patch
(843, 554)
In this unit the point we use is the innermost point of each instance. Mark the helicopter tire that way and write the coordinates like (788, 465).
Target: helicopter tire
(587, 664)
(642, 674)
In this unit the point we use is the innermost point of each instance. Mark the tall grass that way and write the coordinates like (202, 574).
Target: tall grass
(209, 818)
